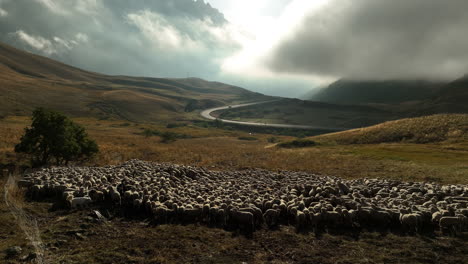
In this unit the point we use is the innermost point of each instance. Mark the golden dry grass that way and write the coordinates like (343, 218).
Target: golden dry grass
(124, 241)
(426, 129)
(221, 149)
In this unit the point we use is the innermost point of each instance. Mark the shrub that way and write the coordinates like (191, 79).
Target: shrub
(175, 125)
(166, 137)
(273, 140)
(299, 143)
(218, 123)
(248, 138)
(149, 133)
(54, 137)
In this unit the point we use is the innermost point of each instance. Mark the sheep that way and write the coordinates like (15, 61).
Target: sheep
(115, 196)
(96, 196)
(182, 194)
(453, 224)
(347, 218)
(256, 212)
(68, 197)
(380, 219)
(80, 202)
(410, 222)
(221, 217)
(161, 215)
(463, 212)
(301, 221)
(243, 220)
(271, 217)
(192, 215)
(213, 214)
(37, 191)
(331, 219)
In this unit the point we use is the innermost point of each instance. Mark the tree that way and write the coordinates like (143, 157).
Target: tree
(53, 137)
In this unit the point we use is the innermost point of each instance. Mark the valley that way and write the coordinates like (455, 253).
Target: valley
(30, 81)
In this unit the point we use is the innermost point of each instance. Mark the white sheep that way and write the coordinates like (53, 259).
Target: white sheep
(81, 202)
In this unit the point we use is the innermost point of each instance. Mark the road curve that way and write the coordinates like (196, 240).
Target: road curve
(207, 114)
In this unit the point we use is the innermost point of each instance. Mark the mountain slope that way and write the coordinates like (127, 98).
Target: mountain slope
(451, 98)
(28, 81)
(380, 92)
(318, 114)
(427, 129)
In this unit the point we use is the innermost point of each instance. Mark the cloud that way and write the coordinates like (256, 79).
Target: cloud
(54, 6)
(3, 12)
(376, 39)
(171, 38)
(67, 7)
(146, 38)
(160, 31)
(81, 37)
(250, 60)
(49, 47)
(36, 42)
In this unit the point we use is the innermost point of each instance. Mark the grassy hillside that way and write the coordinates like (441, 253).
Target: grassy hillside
(407, 98)
(215, 148)
(298, 112)
(28, 81)
(353, 104)
(451, 98)
(427, 129)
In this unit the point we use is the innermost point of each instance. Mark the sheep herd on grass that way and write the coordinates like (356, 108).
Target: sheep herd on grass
(248, 200)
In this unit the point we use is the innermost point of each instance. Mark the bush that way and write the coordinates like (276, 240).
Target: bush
(166, 137)
(300, 143)
(248, 138)
(175, 125)
(273, 140)
(53, 137)
(218, 123)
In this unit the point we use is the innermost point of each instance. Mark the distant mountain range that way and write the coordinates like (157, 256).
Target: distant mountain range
(377, 92)
(417, 97)
(450, 98)
(28, 81)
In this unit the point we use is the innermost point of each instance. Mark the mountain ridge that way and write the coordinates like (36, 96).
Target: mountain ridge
(29, 80)
(348, 91)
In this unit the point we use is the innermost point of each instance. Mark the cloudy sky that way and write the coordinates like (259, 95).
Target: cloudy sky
(279, 47)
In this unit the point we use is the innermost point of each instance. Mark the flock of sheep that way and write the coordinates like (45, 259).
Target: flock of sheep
(251, 199)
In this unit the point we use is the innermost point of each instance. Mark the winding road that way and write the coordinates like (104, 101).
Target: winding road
(207, 115)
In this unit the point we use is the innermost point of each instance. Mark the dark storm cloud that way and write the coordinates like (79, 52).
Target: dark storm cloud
(133, 37)
(378, 39)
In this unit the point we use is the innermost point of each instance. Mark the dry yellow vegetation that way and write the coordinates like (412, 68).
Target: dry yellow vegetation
(426, 129)
(444, 162)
